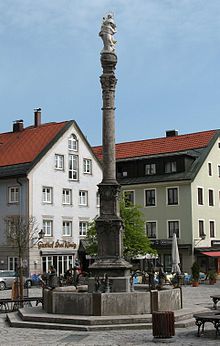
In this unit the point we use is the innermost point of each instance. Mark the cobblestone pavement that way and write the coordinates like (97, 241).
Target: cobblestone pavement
(191, 296)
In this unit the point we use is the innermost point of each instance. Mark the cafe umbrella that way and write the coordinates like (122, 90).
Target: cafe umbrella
(175, 256)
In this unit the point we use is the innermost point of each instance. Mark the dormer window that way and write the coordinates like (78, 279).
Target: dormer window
(73, 143)
(170, 167)
(150, 169)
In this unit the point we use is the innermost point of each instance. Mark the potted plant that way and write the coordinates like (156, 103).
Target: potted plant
(195, 274)
(212, 277)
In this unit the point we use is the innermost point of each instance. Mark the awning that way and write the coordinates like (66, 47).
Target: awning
(58, 252)
(212, 254)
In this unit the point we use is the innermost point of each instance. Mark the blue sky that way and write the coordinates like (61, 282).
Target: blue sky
(168, 64)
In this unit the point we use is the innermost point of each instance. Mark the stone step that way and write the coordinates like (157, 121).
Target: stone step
(14, 319)
(36, 314)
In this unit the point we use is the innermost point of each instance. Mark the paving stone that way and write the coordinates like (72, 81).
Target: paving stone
(193, 298)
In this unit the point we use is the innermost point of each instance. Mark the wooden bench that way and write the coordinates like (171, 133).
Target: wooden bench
(215, 299)
(203, 317)
(7, 305)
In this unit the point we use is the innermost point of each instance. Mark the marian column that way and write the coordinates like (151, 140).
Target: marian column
(110, 262)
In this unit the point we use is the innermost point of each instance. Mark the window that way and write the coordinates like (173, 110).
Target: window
(200, 196)
(212, 229)
(87, 166)
(150, 169)
(83, 198)
(67, 228)
(73, 167)
(151, 229)
(150, 198)
(219, 171)
(210, 168)
(83, 226)
(59, 162)
(47, 194)
(67, 196)
(211, 198)
(172, 196)
(170, 167)
(61, 263)
(48, 228)
(201, 228)
(173, 226)
(129, 198)
(73, 143)
(13, 263)
(13, 194)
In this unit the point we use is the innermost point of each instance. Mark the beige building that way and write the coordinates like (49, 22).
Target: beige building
(176, 181)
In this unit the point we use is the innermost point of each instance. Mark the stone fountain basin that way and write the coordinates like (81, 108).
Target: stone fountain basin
(71, 302)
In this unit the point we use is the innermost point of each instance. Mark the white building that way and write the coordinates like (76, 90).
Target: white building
(48, 171)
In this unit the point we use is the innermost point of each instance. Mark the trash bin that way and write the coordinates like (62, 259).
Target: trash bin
(163, 324)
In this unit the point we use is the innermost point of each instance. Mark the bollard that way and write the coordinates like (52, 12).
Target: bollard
(163, 324)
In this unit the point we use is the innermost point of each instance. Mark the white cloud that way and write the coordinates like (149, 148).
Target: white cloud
(150, 22)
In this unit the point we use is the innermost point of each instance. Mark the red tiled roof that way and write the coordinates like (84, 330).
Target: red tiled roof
(162, 145)
(24, 146)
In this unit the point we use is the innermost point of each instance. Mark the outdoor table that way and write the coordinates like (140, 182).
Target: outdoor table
(203, 317)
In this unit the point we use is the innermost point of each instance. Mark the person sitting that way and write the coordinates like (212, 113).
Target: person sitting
(68, 276)
(53, 280)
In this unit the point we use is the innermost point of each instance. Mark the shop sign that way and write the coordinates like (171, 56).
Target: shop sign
(56, 245)
(215, 242)
(161, 242)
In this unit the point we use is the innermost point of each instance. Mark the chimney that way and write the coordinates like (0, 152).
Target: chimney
(18, 125)
(171, 133)
(37, 117)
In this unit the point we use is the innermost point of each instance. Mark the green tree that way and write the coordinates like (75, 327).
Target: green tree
(135, 241)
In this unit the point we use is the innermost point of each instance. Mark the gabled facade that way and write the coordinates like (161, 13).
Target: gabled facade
(48, 171)
(176, 181)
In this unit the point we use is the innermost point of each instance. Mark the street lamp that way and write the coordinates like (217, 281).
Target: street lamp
(41, 234)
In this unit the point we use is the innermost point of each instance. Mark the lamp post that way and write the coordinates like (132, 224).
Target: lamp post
(41, 235)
